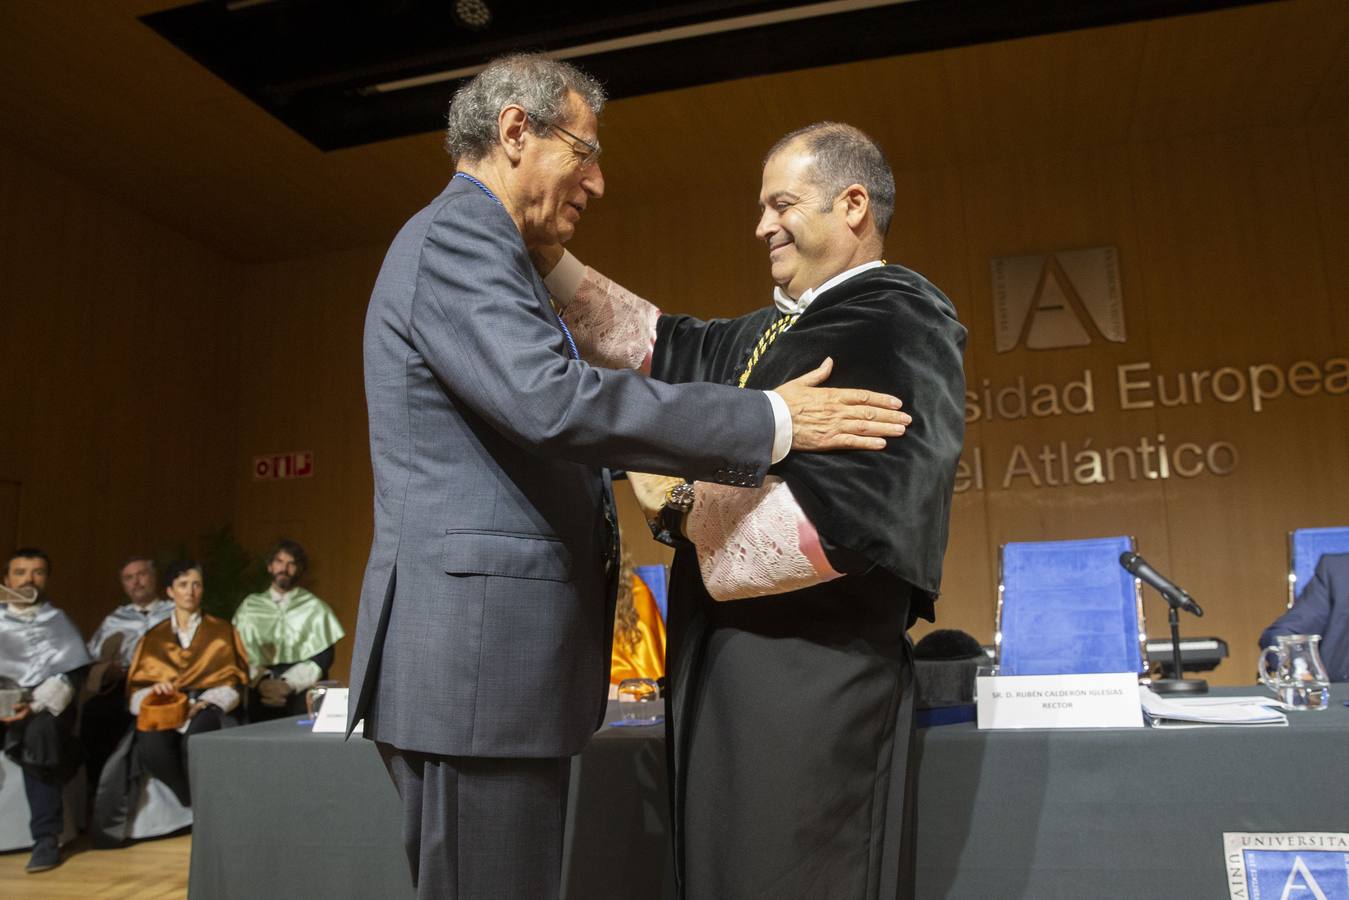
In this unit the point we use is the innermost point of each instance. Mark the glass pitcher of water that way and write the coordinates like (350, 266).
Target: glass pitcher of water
(1299, 677)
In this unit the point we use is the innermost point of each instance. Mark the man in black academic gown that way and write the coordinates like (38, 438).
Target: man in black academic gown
(790, 669)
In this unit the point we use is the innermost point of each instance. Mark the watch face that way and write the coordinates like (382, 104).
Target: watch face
(681, 497)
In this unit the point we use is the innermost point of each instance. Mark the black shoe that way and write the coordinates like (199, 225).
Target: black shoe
(46, 855)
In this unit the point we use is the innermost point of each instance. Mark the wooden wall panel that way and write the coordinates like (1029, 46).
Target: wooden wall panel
(1233, 263)
(1044, 94)
(301, 387)
(117, 391)
(1242, 67)
(1328, 146)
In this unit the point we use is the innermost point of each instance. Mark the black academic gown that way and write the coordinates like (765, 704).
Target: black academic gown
(791, 715)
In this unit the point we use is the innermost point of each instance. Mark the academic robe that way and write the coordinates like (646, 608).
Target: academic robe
(123, 628)
(273, 636)
(33, 649)
(791, 715)
(646, 658)
(103, 716)
(215, 658)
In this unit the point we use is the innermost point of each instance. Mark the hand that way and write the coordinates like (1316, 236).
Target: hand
(839, 418)
(163, 687)
(196, 708)
(545, 258)
(20, 713)
(274, 691)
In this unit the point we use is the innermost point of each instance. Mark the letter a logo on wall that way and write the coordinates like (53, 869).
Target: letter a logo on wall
(1070, 298)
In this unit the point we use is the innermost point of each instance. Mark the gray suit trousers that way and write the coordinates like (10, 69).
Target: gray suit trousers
(481, 829)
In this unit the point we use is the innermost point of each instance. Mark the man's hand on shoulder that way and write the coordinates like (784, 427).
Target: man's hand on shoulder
(839, 418)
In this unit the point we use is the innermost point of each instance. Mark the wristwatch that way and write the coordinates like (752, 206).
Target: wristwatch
(668, 526)
(680, 497)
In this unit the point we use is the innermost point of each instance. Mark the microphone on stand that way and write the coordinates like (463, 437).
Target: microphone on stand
(1177, 599)
(1174, 594)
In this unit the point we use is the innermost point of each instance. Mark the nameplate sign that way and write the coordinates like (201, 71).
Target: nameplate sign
(1107, 700)
(332, 717)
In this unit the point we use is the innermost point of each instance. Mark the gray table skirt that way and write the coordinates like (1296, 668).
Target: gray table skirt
(281, 812)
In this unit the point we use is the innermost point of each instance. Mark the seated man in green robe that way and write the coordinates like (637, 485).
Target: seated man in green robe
(289, 634)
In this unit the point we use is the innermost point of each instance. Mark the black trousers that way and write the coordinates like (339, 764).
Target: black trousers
(261, 712)
(103, 721)
(163, 754)
(295, 703)
(481, 829)
(43, 746)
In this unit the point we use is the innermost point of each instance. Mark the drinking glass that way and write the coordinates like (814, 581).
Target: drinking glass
(641, 697)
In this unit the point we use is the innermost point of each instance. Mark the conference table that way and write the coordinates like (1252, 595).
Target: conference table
(1101, 813)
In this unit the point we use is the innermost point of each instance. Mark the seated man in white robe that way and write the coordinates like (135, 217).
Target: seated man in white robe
(42, 652)
(104, 718)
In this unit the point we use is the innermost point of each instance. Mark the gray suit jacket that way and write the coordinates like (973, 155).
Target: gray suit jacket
(486, 610)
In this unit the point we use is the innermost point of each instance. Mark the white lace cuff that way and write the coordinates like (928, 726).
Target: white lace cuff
(53, 695)
(754, 542)
(302, 675)
(612, 326)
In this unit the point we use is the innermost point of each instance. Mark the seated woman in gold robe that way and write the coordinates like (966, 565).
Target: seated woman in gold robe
(192, 661)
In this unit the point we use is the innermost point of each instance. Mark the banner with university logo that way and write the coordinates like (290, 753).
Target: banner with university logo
(1290, 865)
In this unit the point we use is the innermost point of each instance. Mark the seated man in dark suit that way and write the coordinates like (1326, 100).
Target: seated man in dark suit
(1322, 608)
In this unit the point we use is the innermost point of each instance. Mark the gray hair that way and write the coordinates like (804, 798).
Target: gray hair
(530, 80)
(846, 155)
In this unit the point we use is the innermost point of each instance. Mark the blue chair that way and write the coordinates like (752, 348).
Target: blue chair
(1306, 546)
(1068, 607)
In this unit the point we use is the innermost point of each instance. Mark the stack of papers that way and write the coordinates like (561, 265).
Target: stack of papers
(1197, 712)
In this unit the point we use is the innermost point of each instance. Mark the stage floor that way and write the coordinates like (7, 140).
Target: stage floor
(147, 870)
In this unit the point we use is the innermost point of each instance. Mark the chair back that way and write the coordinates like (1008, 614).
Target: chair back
(1306, 546)
(1068, 607)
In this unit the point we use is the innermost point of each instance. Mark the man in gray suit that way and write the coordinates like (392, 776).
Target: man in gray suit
(483, 640)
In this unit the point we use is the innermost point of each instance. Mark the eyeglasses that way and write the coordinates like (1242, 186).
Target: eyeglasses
(587, 151)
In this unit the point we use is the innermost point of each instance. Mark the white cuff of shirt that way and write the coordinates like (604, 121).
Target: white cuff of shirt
(565, 278)
(782, 427)
(53, 695)
(137, 698)
(302, 675)
(224, 697)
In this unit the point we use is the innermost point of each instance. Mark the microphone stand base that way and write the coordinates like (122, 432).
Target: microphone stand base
(1180, 686)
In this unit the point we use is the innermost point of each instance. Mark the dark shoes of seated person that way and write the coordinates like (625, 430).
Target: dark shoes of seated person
(46, 854)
